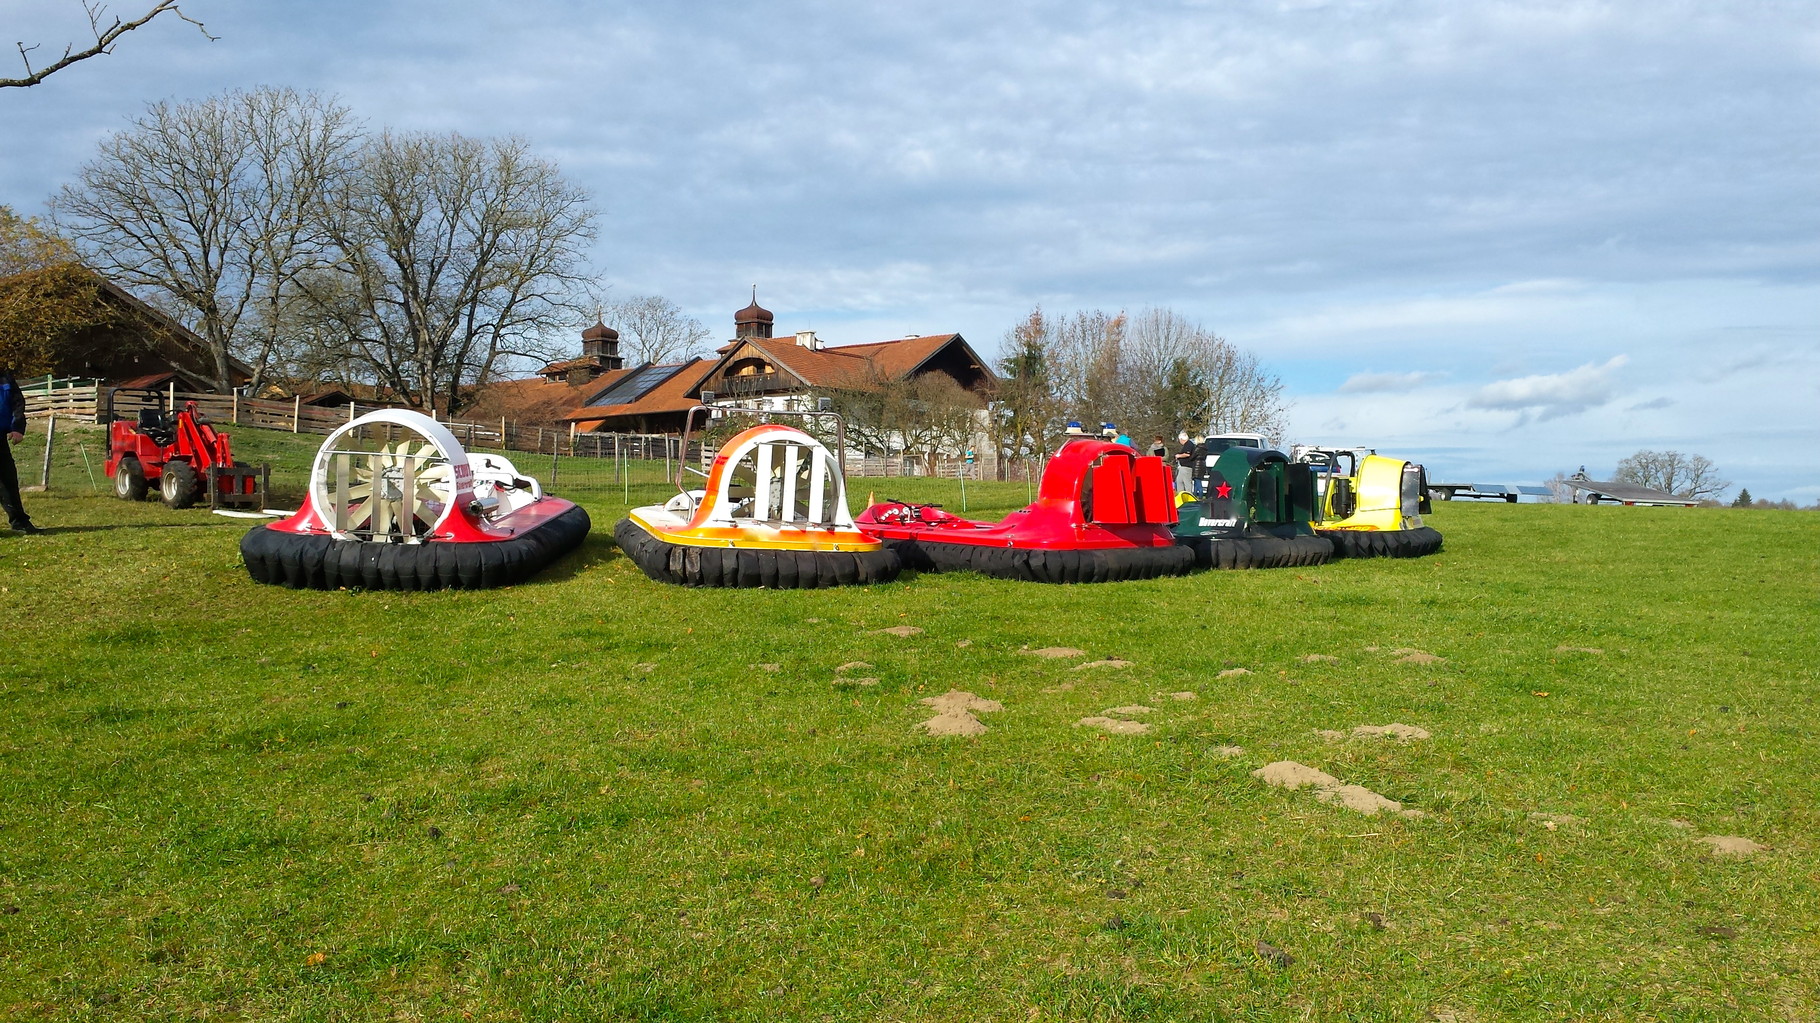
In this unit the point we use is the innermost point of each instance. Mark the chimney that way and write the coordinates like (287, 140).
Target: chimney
(807, 339)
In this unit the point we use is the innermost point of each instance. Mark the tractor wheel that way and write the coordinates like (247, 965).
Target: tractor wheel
(178, 484)
(129, 479)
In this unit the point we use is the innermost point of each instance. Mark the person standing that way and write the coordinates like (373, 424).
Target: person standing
(1157, 448)
(12, 422)
(1184, 464)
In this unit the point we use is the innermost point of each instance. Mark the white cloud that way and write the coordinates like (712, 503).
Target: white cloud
(1386, 383)
(1550, 395)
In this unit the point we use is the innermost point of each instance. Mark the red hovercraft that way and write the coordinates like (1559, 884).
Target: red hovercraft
(395, 503)
(1102, 514)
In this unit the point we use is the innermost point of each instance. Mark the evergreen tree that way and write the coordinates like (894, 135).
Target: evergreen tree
(1743, 500)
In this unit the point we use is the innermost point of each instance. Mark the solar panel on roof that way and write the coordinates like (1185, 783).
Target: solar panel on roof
(637, 384)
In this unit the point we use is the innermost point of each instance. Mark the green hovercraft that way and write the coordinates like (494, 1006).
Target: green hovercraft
(1257, 509)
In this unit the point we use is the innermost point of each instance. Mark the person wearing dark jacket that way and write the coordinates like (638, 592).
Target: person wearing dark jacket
(12, 424)
(1184, 464)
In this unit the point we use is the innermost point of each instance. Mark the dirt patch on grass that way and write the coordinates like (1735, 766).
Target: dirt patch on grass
(1053, 652)
(1131, 711)
(1362, 799)
(954, 713)
(1183, 696)
(1116, 726)
(1318, 659)
(1404, 733)
(1110, 662)
(900, 630)
(954, 723)
(852, 666)
(865, 681)
(1417, 657)
(1328, 789)
(1065, 687)
(1593, 650)
(1235, 672)
(1288, 774)
(957, 699)
(773, 668)
(1227, 751)
(1551, 821)
(1732, 845)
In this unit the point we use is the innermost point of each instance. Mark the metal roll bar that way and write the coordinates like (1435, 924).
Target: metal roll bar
(825, 411)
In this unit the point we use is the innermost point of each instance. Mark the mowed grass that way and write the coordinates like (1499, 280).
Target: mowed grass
(588, 797)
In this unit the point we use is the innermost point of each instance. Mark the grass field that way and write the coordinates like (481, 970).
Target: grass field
(594, 797)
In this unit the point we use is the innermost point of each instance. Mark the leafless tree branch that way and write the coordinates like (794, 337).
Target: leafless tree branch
(105, 37)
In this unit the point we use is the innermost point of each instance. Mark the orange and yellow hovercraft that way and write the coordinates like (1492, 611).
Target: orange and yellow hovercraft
(773, 513)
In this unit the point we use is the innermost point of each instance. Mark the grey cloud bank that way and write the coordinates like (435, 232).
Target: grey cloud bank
(1444, 224)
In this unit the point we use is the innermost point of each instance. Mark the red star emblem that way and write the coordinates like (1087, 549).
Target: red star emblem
(1224, 490)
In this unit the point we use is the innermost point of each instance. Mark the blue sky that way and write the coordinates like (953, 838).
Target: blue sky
(1503, 238)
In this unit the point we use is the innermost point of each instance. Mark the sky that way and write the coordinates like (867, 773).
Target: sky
(1505, 239)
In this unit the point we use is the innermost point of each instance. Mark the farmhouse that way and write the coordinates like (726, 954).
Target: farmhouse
(103, 332)
(760, 369)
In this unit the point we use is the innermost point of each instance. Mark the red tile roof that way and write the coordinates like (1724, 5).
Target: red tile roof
(531, 401)
(845, 365)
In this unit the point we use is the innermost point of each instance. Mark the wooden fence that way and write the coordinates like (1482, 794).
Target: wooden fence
(101, 404)
(94, 403)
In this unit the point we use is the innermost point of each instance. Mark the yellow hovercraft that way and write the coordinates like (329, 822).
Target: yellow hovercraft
(1370, 506)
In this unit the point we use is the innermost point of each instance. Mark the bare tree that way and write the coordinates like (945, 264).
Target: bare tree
(652, 329)
(926, 416)
(211, 206)
(941, 417)
(457, 254)
(106, 35)
(1673, 472)
(871, 409)
(1558, 490)
(1159, 372)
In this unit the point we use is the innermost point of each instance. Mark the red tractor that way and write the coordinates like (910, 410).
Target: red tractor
(181, 454)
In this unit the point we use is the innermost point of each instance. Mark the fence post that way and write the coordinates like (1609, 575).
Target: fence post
(171, 401)
(235, 416)
(555, 454)
(296, 411)
(350, 410)
(50, 432)
(503, 446)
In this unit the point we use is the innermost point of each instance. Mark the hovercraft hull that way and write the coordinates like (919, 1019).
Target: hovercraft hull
(540, 535)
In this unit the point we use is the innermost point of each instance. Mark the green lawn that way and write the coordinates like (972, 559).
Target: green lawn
(591, 797)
